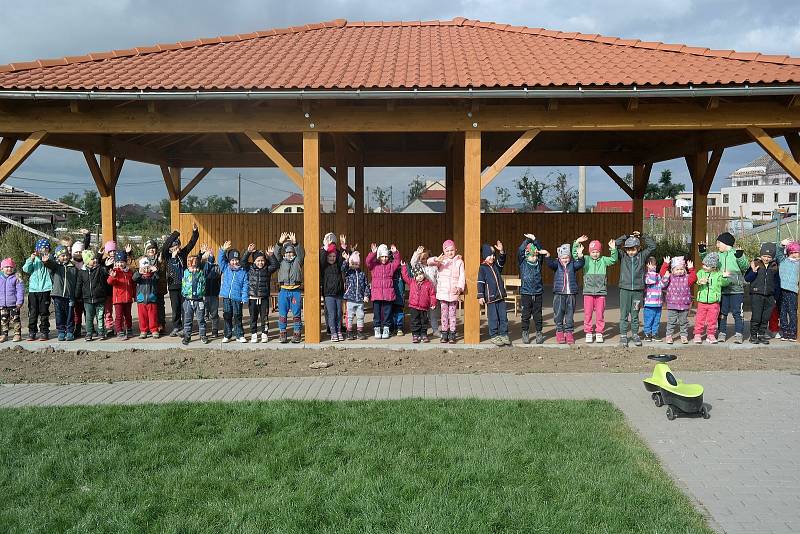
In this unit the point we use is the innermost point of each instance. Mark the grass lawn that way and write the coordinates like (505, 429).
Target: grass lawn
(385, 466)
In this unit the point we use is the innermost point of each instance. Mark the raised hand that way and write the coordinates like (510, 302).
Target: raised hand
(499, 246)
(293, 238)
(226, 245)
(194, 227)
(393, 248)
(251, 248)
(530, 236)
(128, 248)
(583, 239)
(579, 250)
(403, 263)
(268, 252)
(203, 248)
(667, 259)
(612, 244)
(342, 240)
(45, 256)
(636, 233)
(84, 231)
(282, 238)
(420, 249)
(373, 247)
(785, 242)
(690, 264)
(545, 253)
(326, 241)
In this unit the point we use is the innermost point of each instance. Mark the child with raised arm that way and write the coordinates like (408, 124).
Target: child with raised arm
(678, 282)
(332, 285)
(421, 298)
(788, 258)
(450, 283)
(565, 290)
(530, 256)
(259, 275)
(39, 286)
(632, 261)
(595, 286)
(123, 293)
(653, 300)
(289, 254)
(64, 276)
(193, 291)
(761, 277)
(492, 292)
(420, 259)
(734, 262)
(356, 294)
(93, 287)
(234, 291)
(382, 286)
(146, 280)
(709, 294)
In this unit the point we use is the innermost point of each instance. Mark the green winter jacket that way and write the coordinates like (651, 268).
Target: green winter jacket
(735, 266)
(712, 291)
(40, 280)
(595, 279)
(193, 285)
(631, 268)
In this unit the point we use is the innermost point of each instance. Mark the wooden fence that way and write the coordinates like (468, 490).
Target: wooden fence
(407, 231)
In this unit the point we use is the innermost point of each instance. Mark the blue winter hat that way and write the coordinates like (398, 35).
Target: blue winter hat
(61, 249)
(41, 244)
(120, 255)
(486, 251)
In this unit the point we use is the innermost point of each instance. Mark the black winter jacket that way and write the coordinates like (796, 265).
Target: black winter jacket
(330, 275)
(762, 281)
(258, 280)
(176, 265)
(92, 285)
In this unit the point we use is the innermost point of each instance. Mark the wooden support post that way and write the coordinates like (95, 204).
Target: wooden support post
(458, 193)
(702, 171)
(18, 156)
(340, 219)
(472, 244)
(106, 175)
(6, 148)
(490, 173)
(641, 175)
(277, 158)
(449, 196)
(172, 179)
(358, 229)
(311, 236)
(617, 180)
(196, 180)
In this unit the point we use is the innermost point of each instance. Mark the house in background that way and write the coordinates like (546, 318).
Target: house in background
(31, 211)
(432, 199)
(294, 204)
(760, 188)
(655, 208)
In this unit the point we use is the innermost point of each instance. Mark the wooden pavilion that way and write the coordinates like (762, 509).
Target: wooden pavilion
(465, 95)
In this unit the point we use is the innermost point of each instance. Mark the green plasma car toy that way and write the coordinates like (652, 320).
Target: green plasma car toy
(679, 398)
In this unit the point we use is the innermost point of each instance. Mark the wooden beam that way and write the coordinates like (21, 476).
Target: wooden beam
(472, 243)
(175, 203)
(6, 148)
(489, 174)
(107, 145)
(97, 174)
(108, 201)
(641, 175)
(702, 173)
(77, 106)
(792, 140)
(18, 156)
(794, 102)
(196, 180)
(358, 200)
(617, 180)
(712, 103)
(785, 160)
(419, 117)
(311, 236)
(632, 104)
(340, 218)
(330, 171)
(277, 157)
(172, 191)
(116, 170)
(551, 104)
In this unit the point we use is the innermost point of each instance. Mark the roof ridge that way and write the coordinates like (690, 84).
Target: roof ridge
(457, 21)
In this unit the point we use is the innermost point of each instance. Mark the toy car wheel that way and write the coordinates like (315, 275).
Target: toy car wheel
(705, 413)
(657, 400)
(670, 413)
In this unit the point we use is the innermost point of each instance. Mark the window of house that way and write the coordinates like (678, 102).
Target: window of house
(744, 198)
(776, 198)
(712, 202)
(792, 197)
(299, 210)
(725, 198)
(758, 198)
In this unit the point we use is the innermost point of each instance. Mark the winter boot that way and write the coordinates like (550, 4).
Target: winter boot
(560, 339)
(526, 337)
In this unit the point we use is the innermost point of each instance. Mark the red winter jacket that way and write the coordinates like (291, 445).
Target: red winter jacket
(421, 295)
(382, 274)
(123, 290)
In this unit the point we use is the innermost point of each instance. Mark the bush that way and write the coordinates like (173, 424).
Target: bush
(18, 244)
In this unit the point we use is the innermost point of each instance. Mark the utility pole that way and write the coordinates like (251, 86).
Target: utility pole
(239, 194)
(582, 189)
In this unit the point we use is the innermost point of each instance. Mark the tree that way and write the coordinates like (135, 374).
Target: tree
(209, 204)
(89, 202)
(382, 197)
(416, 188)
(563, 196)
(531, 191)
(163, 206)
(502, 196)
(665, 187)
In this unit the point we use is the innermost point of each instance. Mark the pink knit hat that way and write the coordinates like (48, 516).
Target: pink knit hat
(110, 246)
(331, 248)
(793, 247)
(448, 243)
(355, 258)
(8, 262)
(595, 245)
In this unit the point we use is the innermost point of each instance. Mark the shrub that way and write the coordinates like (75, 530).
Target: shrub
(18, 244)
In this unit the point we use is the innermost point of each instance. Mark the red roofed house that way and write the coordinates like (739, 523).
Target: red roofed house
(291, 204)
(431, 200)
(651, 207)
(466, 96)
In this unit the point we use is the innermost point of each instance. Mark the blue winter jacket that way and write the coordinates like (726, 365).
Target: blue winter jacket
(356, 286)
(565, 281)
(490, 280)
(530, 274)
(234, 283)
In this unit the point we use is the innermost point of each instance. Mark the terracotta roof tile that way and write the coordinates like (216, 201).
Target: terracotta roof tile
(400, 54)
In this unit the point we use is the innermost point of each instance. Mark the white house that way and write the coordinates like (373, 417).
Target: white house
(760, 188)
(432, 199)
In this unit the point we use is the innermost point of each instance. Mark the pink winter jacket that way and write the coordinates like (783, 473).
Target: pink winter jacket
(450, 282)
(382, 286)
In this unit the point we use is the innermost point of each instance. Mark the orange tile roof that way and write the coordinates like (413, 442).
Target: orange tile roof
(457, 53)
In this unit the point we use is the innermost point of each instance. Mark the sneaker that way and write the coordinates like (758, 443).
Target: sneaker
(684, 340)
(185, 340)
(560, 339)
(539, 338)
(296, 337)
(764, 340)
(777, 335)
(121, 336)
(334, 338)
(242, 339)
(204, 340)
(711, 340)
(721, 337)
(400, 332)
(226, 340)
(377, 332)
(598, 338)
(156, 334)
(109, 334)
(623, 341)
(425, 338)
(385, 334)
(754, 340)
(175, 333)
(31, 336)
(62, 336)
(637, 341)
(282, 337)
(451, 338)
(361, 335)
(655, 339)
(414, 338)
(698, 339)
(569, 338)
(143, 335)
(254, 338)
(738, 338)
(668, 339)
(497, 340)
(589, 338)
(526, 337)
(444, 336)
(264, 337)
(17, 338)
(648, 338)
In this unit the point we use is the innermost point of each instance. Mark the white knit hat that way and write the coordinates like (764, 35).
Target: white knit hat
(77, 246)
(383, 250)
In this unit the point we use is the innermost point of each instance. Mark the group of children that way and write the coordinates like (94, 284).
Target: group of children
(102, 286)
(720, 283)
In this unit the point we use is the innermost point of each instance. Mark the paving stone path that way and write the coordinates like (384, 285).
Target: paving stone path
(742, 466)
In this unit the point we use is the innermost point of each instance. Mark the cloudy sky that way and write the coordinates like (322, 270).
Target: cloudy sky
(47, 29)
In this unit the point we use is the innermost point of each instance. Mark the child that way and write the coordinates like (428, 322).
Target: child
(64, 276)
(421, 298)
(420, 259)
(450, 283)
(565, 287)
(789, 269)
(531, 287)
(711, 282)
(176, 267)
(595, 286)
(678, 284)
(213, 281)
(77, 260)
(193, 291)
(39, 286)
(259, 274)
(735, 263)
(156, 257)
(330, 273)
(631, 283)
(92, 286)
(289, 254)
(356, 294)
(12, 293)
(123, 293)
(653, 301)
(146, 280)
(761, 277)
(109, 250)
(234, 291)
(397, 316)
(492, 292)
(382, 287)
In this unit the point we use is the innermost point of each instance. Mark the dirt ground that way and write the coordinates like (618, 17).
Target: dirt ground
(18, 365)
